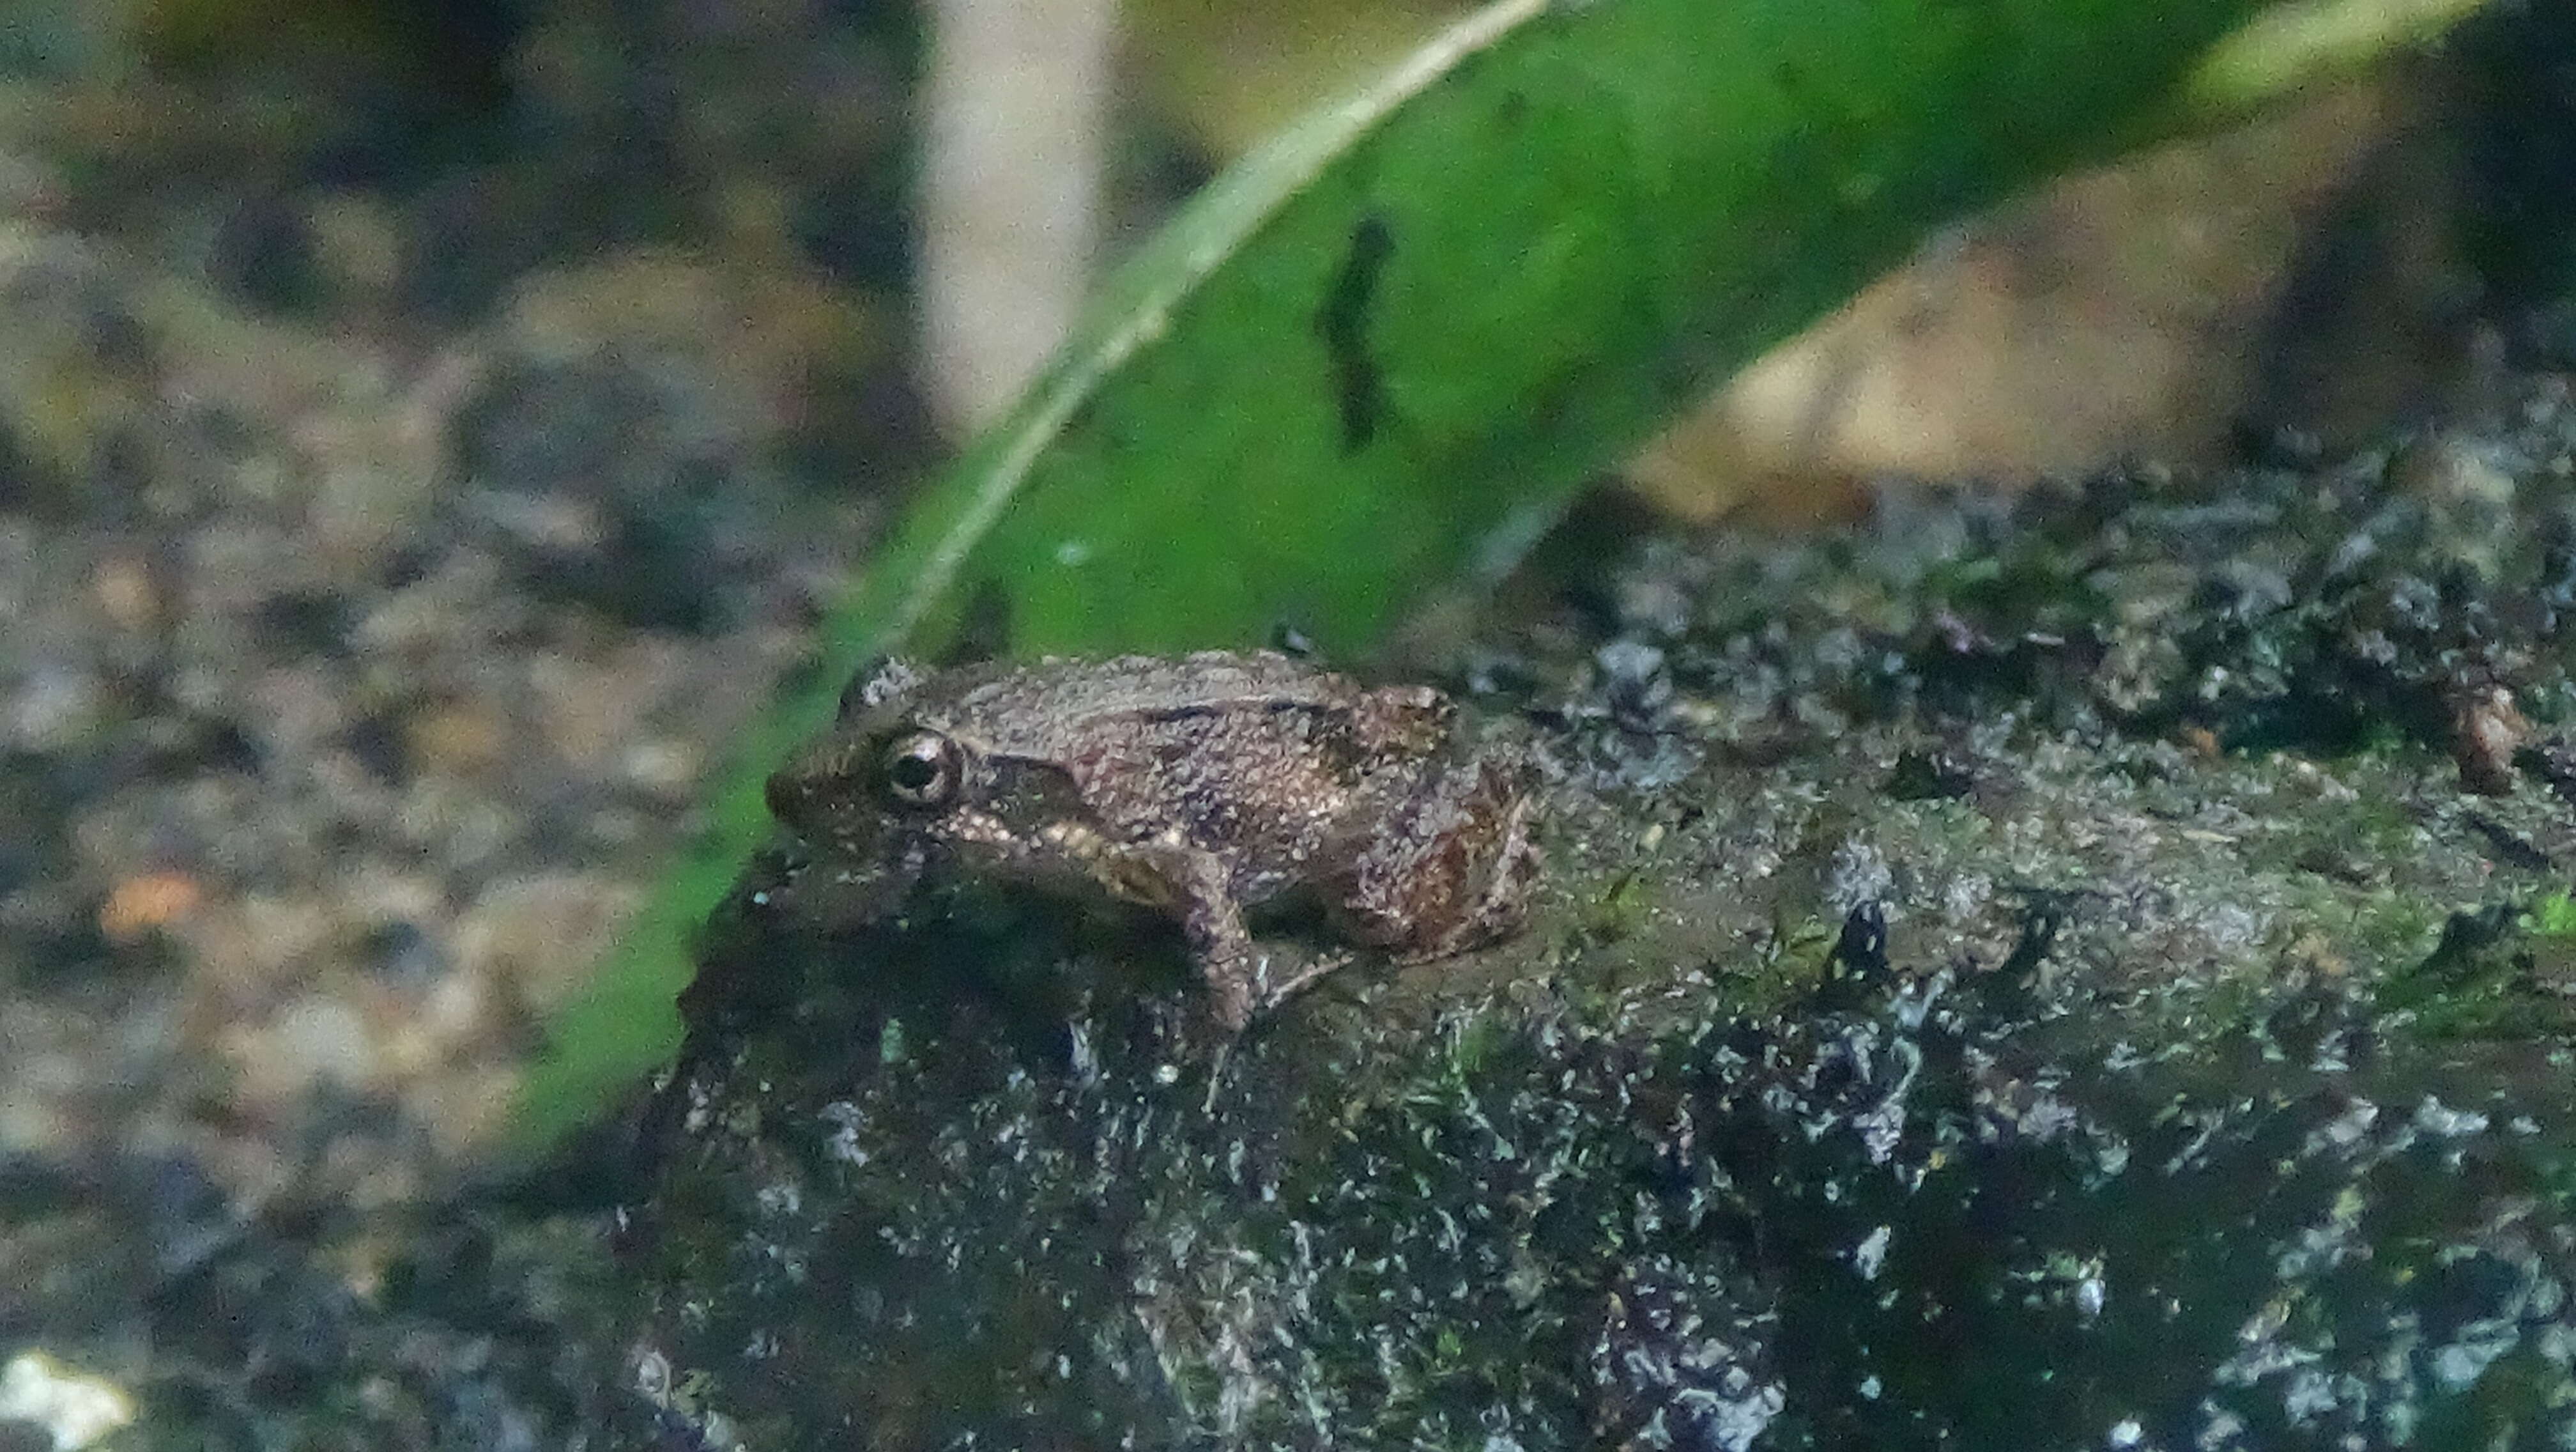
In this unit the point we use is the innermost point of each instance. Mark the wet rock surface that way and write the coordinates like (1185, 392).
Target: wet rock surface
(2081, 971)
(1906, 1221)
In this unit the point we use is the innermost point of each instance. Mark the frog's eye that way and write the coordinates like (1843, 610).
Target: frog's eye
(921, 769)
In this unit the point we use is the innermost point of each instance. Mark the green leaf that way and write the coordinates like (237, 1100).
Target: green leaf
(2312, 43)
(1378, 354)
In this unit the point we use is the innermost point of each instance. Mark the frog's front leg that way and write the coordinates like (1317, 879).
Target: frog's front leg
(1228, 962)
(1191, 883)
(1243, 976)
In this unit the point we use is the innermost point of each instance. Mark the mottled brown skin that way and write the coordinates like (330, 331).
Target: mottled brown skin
(1198, 786)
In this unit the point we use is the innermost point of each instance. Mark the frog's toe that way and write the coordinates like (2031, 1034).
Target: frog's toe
(1280, 975)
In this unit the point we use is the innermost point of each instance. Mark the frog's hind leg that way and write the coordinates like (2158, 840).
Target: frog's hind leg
(1454, 871)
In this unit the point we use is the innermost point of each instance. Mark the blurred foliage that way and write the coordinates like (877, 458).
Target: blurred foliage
(457, 50)
(2302, 43)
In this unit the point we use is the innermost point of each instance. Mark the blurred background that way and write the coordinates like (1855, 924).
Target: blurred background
(427, 431)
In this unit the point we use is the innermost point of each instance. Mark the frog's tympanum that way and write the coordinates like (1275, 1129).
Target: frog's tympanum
(1198, 786)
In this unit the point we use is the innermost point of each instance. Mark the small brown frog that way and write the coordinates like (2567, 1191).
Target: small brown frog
(1198, 786)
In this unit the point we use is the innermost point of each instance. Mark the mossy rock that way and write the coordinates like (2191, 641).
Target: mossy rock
(2075, 971)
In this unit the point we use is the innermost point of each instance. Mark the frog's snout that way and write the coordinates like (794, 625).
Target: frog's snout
(800, 793)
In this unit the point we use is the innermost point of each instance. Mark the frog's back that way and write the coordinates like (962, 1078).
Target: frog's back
(1051, 710)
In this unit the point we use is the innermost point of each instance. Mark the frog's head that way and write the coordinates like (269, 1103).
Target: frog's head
(879, 782)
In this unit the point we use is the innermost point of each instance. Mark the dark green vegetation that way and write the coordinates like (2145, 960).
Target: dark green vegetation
(2080, 972)
(1378, 355)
